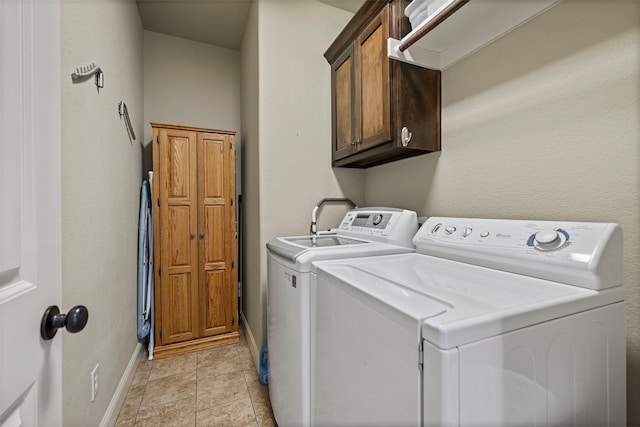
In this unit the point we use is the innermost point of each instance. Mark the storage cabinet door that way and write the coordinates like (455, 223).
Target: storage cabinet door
(372, 85)
(343, 89)
(178, 251)
(216, 233)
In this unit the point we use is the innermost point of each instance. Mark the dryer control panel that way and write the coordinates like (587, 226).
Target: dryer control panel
(586, 254)
(388, 225)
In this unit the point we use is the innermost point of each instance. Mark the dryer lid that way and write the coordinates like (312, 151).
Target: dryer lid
(460, 303)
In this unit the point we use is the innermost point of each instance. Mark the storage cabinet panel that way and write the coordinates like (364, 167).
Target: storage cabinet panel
(179, 322)
(194, 238)
(214, 244)
(178, 236)
(216, 314)
(179, 158)
(213, 160)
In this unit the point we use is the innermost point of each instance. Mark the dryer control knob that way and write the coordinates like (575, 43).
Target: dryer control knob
(546, 240)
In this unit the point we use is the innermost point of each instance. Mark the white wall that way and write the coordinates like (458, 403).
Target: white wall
(101, 171)
(190, 83)
(542, 124)
(292, 152)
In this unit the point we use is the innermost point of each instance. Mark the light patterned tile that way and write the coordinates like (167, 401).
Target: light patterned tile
(266, 420)
(238, 413)
(180, 413)
(243, 349)
(259, 397)
(169, 389)
(179, 364)
(247, 362)
(215, 387)
(250, 374)
(221, 352)
(217, 361)
(215, 391)
(138, 383)
(128, 412)
(144, 364)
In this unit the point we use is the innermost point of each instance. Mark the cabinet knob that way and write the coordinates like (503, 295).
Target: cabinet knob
(193, 236)
(202, 235)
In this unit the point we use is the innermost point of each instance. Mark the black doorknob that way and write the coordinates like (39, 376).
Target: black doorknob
(74, 321)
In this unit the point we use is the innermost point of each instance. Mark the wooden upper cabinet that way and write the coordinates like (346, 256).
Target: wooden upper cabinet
(374, 97)
(194, 238)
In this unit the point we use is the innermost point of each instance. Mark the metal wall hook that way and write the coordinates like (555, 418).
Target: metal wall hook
(122, 110)
(91, 70)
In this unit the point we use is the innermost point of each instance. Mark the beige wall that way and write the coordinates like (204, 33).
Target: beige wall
(545, 124)
(189, 83)
(251, 295)
(292, 146)
(101, 171)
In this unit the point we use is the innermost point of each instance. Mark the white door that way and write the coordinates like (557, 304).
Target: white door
(30, 272)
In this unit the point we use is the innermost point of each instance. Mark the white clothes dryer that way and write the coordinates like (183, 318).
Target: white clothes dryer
(290, 289)
(488, 323)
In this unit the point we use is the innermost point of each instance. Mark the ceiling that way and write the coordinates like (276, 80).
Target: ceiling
(216, 22)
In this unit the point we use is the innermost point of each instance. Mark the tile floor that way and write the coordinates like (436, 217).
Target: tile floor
(215, 387)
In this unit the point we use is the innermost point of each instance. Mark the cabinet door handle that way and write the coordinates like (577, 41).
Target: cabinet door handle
(405, 136)
(202, 235)
(355, 142)
(193, 236)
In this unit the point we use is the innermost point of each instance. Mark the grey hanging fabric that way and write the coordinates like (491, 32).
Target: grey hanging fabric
(145, 262)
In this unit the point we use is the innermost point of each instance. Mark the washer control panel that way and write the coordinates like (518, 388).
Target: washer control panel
(397, 226)
(585, 254)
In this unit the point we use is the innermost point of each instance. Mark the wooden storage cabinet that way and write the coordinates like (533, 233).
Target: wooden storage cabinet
(194, 238)
(374, 97)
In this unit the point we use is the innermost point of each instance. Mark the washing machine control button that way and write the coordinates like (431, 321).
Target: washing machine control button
(466, 231)
(484, 234)
(546, 237)
(449, 229)
(377, 219)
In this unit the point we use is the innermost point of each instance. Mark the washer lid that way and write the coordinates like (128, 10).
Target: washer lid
(298, 252)
(478, 302)
(292, 247)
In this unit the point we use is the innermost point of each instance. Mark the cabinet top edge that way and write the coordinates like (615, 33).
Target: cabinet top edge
(362, 16)
(191, 128)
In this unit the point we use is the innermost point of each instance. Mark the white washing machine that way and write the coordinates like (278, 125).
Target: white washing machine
(291, 278)
(488, 323)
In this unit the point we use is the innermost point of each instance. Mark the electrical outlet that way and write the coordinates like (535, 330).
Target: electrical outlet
(95, 382)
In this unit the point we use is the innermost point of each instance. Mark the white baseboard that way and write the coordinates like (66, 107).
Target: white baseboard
(253, 347)
(117, 400)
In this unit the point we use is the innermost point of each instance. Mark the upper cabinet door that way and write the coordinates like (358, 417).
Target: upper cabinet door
(343, 89)
(373, 123)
